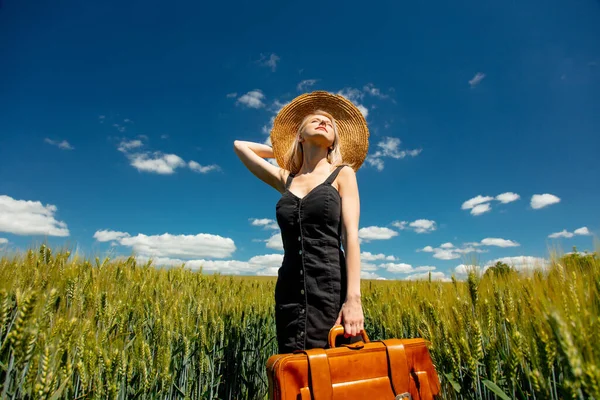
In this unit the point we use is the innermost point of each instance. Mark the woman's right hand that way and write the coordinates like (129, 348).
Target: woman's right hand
(253, 156)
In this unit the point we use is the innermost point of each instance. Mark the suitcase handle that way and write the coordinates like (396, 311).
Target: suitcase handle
(338, 330)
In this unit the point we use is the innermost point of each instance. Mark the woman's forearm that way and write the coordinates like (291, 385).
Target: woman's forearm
(353, 267)
(261, 150)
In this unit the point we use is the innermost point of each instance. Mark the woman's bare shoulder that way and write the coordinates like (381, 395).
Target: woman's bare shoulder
(346, 179)
(346, 172)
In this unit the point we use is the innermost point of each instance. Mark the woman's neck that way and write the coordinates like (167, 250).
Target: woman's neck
(313, 158)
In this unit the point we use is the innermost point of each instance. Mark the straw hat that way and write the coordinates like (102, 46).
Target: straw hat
(352, 126)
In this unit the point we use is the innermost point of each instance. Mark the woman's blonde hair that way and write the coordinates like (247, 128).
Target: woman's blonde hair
(295, 154)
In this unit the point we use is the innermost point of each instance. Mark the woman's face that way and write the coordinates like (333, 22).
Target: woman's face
(319, 129)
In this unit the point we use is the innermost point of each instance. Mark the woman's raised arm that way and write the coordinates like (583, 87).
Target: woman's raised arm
(253, 156)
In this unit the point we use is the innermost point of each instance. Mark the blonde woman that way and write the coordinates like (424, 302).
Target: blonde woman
(319, 141)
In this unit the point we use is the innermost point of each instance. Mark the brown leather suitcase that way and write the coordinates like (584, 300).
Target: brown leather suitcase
(386, 369)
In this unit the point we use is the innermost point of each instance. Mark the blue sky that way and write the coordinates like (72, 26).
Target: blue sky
(117, 122)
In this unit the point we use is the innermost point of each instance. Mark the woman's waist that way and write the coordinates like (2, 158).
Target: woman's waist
(297, 239)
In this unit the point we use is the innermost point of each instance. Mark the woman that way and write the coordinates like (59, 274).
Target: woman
(318, 284)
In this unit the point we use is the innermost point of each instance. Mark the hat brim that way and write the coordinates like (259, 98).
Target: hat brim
(352, 126)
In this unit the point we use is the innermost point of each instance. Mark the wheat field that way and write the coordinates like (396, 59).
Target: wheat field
(78, 328)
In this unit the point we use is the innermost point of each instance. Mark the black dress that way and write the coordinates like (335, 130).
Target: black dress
(311, 285)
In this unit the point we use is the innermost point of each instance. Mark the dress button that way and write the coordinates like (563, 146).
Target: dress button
(301, 272)
(300, 252)
(302, 311)
(302, 291)
(302, 333)
(299, 238)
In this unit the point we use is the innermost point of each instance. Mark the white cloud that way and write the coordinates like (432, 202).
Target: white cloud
(480, 209)
(543, 200)
(507, 197)
(127, 145)
(267, 260)
(264, 222)
(424, 268)
(376, 233)
(463, 270)
(373, 91)
(231, 95)
(423, 225)
(389, 147)
(3, 240)
(481, 204)
(363, 110)
(23, 217)
(469, 249)
(365, 266)
(64, 145)
(157, 162)
(266, 129)
(476, 79)
(566, 234)
(367, 256)
(352, 94)
(369, 275)
(435, 276)
(258, 265)
(521, 263)
(276, 107)
(377, 163)
(419, 225)
(479, 199)
(400, 224)
(447, 251)
(270, 61)
(203, 169)
(582, 231)
(252, 99)
(107, 236)
(199, 245)
(275, 242)
(230, 267)
(499, 242)
(402, 268)
(445, 254)
(269, 271)
(305, 84)
(355, 96)
(164, 164)
(180, 246)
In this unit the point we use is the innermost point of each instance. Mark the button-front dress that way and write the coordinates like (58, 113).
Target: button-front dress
(311, 284)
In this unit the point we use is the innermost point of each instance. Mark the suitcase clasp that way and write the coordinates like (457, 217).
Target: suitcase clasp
(402, 396)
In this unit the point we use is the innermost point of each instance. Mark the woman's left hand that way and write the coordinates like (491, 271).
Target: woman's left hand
(351, 317)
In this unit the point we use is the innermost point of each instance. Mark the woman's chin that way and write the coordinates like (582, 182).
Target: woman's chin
(321, 138)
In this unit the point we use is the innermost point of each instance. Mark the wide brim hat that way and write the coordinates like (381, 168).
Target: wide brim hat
(352, 126)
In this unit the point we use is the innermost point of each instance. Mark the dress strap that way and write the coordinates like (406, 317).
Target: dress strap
(289, 180)
(334, 175)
